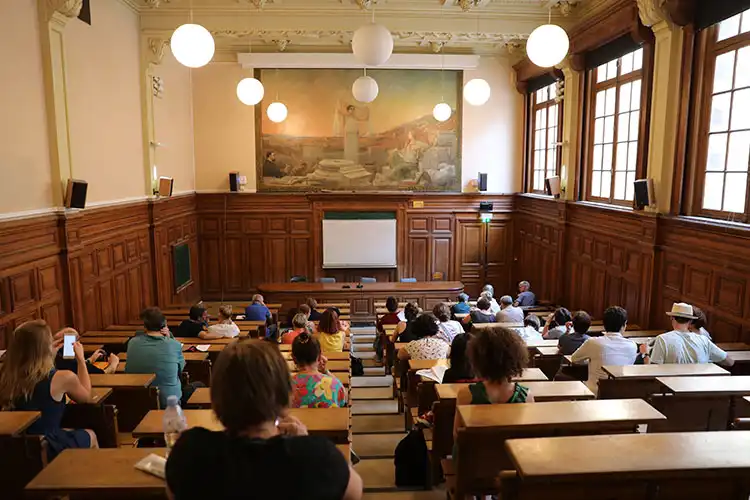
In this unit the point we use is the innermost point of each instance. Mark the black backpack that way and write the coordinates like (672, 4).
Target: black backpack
(411, 461)
(358, 368)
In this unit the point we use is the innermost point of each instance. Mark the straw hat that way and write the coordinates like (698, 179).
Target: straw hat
(682, 310)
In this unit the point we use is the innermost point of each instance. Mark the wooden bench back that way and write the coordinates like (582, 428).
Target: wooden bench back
(690, 414)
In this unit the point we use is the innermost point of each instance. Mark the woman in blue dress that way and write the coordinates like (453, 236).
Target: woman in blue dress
(30, 382)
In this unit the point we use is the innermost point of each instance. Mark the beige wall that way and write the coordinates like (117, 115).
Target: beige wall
(225, 128)
(24, 151)
(173, 124)
(104, 102)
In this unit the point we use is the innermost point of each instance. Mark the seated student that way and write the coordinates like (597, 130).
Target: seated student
(403, 331)
(698, 325)
(609, 349)
(448, 328)
(72, 364)
(225, 328)
(391, 317)
(481, 314)
(257, 310)
(30, 382)
(571, 341)
(262, 446)
(315, 315)
(427, 345)
(300, 326)
(155, 351)
(526, 297)
(489, 293)
(331, 336)
(508, 313)
(530, 331)
(460, 370)
(309, 325)
(313, 386)
(683, 346)
(197, 323)
(557, 324)
(462, 306)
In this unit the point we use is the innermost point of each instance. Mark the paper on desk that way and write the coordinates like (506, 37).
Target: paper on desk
(203, 347)
(153, 464)
(435, 373)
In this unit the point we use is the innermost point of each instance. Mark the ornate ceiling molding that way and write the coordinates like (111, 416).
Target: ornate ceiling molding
(68, 8)
(259, 4)
(564, 6)
(652, 12)
(466, 5)
(155, 52)
(154, 4)
(364, 4)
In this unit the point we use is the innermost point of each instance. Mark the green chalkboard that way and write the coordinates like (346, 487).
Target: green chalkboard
(181, 265)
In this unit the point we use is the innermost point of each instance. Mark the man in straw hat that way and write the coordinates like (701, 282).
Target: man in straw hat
(683, 346)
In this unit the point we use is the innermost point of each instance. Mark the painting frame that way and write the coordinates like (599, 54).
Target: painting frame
(261, 187)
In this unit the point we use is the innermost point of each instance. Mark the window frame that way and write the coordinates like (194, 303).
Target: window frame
(707, 49)
(532, 107)
(645, 74)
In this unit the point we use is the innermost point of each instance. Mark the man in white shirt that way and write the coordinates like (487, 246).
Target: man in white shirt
(488, 292)
(684, 346)
(611, 349)
(508, 313)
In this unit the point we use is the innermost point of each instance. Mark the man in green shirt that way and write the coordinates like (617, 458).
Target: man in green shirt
(156, 351)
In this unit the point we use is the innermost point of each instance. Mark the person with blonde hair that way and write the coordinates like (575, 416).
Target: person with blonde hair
(30, 382)
(299, 324)
(225, 328)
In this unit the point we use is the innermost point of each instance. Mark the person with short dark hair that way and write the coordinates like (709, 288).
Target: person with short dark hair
(698, 325)
(270, 169)
(389, 318)
(313, 305)
(403, 331)
(609, 349)
(530, 331)
(427, 345)
(482, 314)
(572, 340)
(558, 324)
(331, 336)
(257, 310)
(508, 313)
(462, 306)
(460, 370)
(448, 328)
(526, 297)
(192, 327)
(309, 325)
(313, 386)
(261, 445)
(155, 351)
(682, 345)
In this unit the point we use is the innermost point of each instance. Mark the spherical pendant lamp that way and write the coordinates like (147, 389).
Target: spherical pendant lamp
(250, 91)
(192, 45)
(277, 112)
(477, 92)
(442, 112)
(365, 89)
(372, 44)
(547, 45)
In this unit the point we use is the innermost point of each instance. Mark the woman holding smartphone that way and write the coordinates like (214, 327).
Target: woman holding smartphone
(30, 382)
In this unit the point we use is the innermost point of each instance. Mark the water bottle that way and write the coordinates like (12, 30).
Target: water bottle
(174, 422)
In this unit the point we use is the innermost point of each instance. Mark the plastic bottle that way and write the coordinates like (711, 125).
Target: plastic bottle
(174, 422)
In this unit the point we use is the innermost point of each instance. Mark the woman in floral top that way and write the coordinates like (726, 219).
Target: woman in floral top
(313, 386)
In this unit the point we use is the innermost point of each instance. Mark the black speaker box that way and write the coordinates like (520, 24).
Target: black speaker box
(643, 192)
(483, 182)
(75, 194)
(234, 181)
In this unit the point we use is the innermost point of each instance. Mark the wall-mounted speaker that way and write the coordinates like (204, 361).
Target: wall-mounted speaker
(482, 182)
(552, 185)
(643, 192)
(75, 194)
(234, 181)
(165, 186)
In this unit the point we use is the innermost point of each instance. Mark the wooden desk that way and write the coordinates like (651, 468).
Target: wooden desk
(333, 366)
(740, 356)
(99, 394)
(542, 343)
(554, 414)
(542, 391)
(329, 422)
(124, 334)
(197, 357)
(547, 351)
(332, 356)
(426, 364)
(122, 380)
(733, 346)
(361, 300)
(633, 372)
(707, 386)
(13, 423)
(104, 471)
(212, 348)
(630, 456)
(196, 340)
(111, 338)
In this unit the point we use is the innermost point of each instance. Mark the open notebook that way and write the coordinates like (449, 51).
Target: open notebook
(435, 373)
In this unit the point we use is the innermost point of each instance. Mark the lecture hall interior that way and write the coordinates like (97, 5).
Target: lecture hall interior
(473, 248)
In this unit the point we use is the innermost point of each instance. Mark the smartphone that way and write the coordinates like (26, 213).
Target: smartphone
(68, 341)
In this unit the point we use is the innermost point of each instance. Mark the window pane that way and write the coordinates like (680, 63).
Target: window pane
(713, 191)
(629, 186)
(717, 151)
(611, 69)
(606, 184)
(625, 97)
(596, 163)
(536, 159)
(552, 90)
(550, 162)
(553, 116)
(745, 22)
(607, 157)
(729, 27)
(742, 75)
(600, 96)
(601, 73)
(599, 131)
(734, 195)
(739, 152)
(623, 127)
(596, 179)
(609, 129)
(741, 109)
(552, 137)
(609, 106)
(724, 72)
(626, 66)
(632, 156)
(542, 119)
(720, 113)
(619, 186)
(621, 160)
(634, 125)
(635, 96)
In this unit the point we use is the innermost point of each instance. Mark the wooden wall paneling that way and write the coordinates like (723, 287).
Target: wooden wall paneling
(470, 255)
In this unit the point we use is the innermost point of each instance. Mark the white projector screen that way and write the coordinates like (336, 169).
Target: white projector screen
(359, 243)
